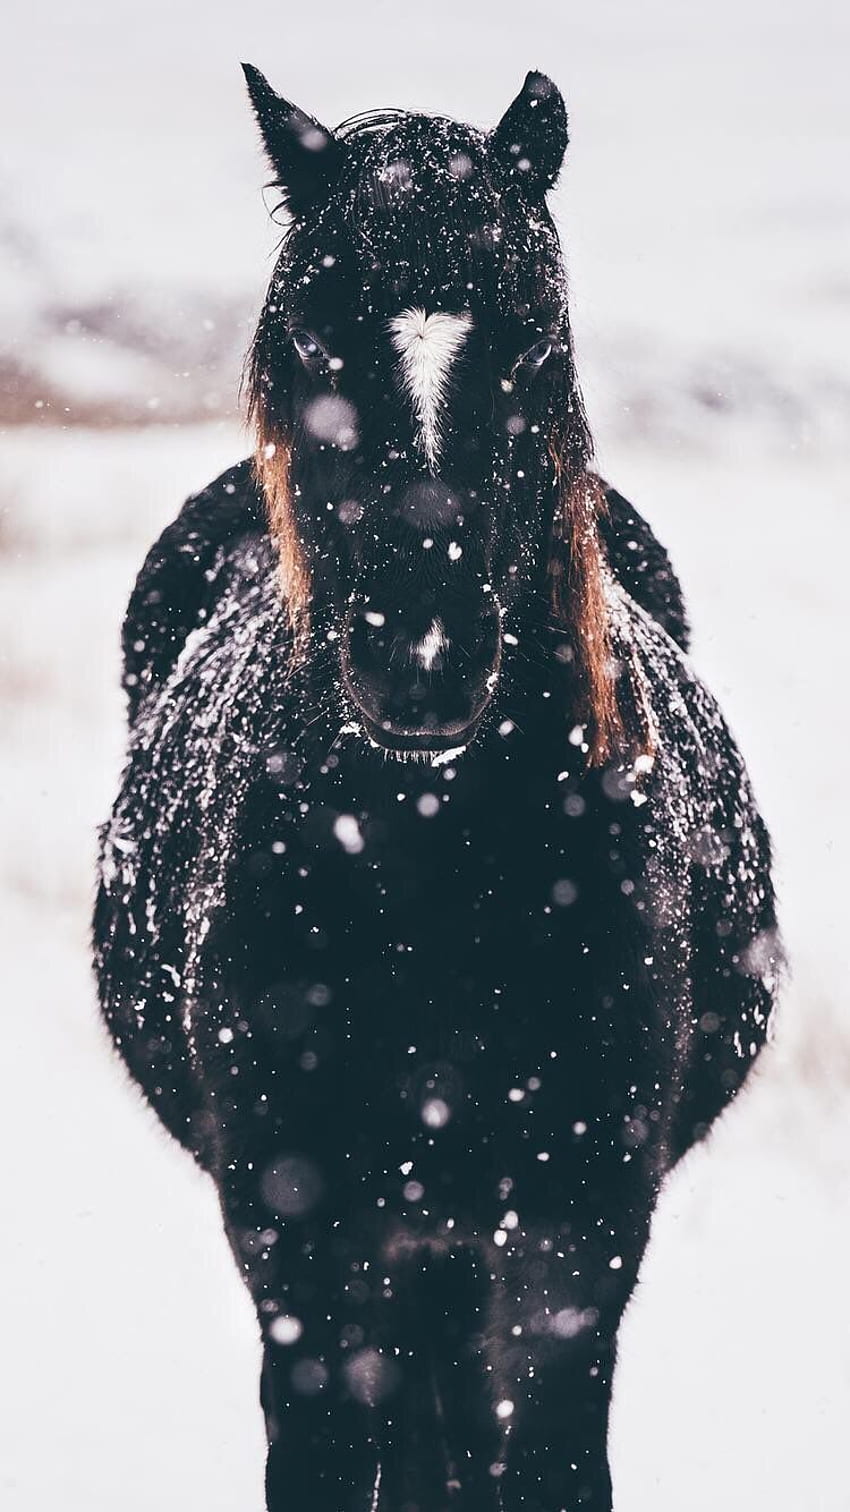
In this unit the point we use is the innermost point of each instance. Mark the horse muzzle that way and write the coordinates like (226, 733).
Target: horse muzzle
(421, 678)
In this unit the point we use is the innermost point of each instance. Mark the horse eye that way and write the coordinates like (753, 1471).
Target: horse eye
(311, 351)
(536, 355)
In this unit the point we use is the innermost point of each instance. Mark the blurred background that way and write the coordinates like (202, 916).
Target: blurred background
(705, 211)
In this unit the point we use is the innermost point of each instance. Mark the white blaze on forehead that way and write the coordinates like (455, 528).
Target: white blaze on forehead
(427, 346)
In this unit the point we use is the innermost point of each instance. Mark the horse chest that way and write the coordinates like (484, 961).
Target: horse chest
(464, 970)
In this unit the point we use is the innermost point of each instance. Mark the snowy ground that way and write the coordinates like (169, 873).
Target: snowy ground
(708, 213)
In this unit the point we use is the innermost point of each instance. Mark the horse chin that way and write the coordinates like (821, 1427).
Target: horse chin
(427, 747)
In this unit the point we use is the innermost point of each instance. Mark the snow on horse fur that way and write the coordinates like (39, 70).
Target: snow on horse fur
(435, 915)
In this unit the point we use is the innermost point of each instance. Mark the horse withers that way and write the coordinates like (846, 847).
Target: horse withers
(435, 915)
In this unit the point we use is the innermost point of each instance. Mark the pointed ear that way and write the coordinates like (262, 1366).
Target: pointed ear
(304, 155)
(531, 137)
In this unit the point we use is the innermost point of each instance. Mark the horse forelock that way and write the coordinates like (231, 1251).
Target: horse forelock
(423, 194)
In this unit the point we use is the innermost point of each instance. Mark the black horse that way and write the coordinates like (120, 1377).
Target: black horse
(435, 914)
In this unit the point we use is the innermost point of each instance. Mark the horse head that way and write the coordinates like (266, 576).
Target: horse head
(422, 443)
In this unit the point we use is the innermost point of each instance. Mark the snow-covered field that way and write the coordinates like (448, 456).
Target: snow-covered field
(707, 212)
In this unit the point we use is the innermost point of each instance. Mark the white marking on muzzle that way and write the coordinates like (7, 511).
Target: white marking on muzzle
(427, 346)
(430, 646)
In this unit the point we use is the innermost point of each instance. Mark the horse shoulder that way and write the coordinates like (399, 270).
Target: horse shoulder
(175, 588)
(711, 847)
(642, 566)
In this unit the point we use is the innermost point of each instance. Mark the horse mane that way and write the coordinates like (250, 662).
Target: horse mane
(271, 470)
(579, 605)
(367, 121)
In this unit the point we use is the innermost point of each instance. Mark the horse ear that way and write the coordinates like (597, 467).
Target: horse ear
(532, 137)
(304, 155)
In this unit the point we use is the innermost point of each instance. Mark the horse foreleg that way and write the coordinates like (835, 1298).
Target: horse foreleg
(556, 1319)
(443, 1438)
(556, 1450)
(317, 1296)
(322, 1456)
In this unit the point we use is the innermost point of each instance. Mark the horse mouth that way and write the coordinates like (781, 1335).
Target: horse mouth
(434, 746)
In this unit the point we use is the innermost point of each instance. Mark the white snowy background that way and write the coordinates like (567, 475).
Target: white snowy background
(706, 214)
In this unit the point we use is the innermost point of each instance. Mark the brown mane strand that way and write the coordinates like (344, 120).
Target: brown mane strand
(579, 603)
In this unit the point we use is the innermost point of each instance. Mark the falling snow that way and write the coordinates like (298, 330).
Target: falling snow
(740, 1258)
